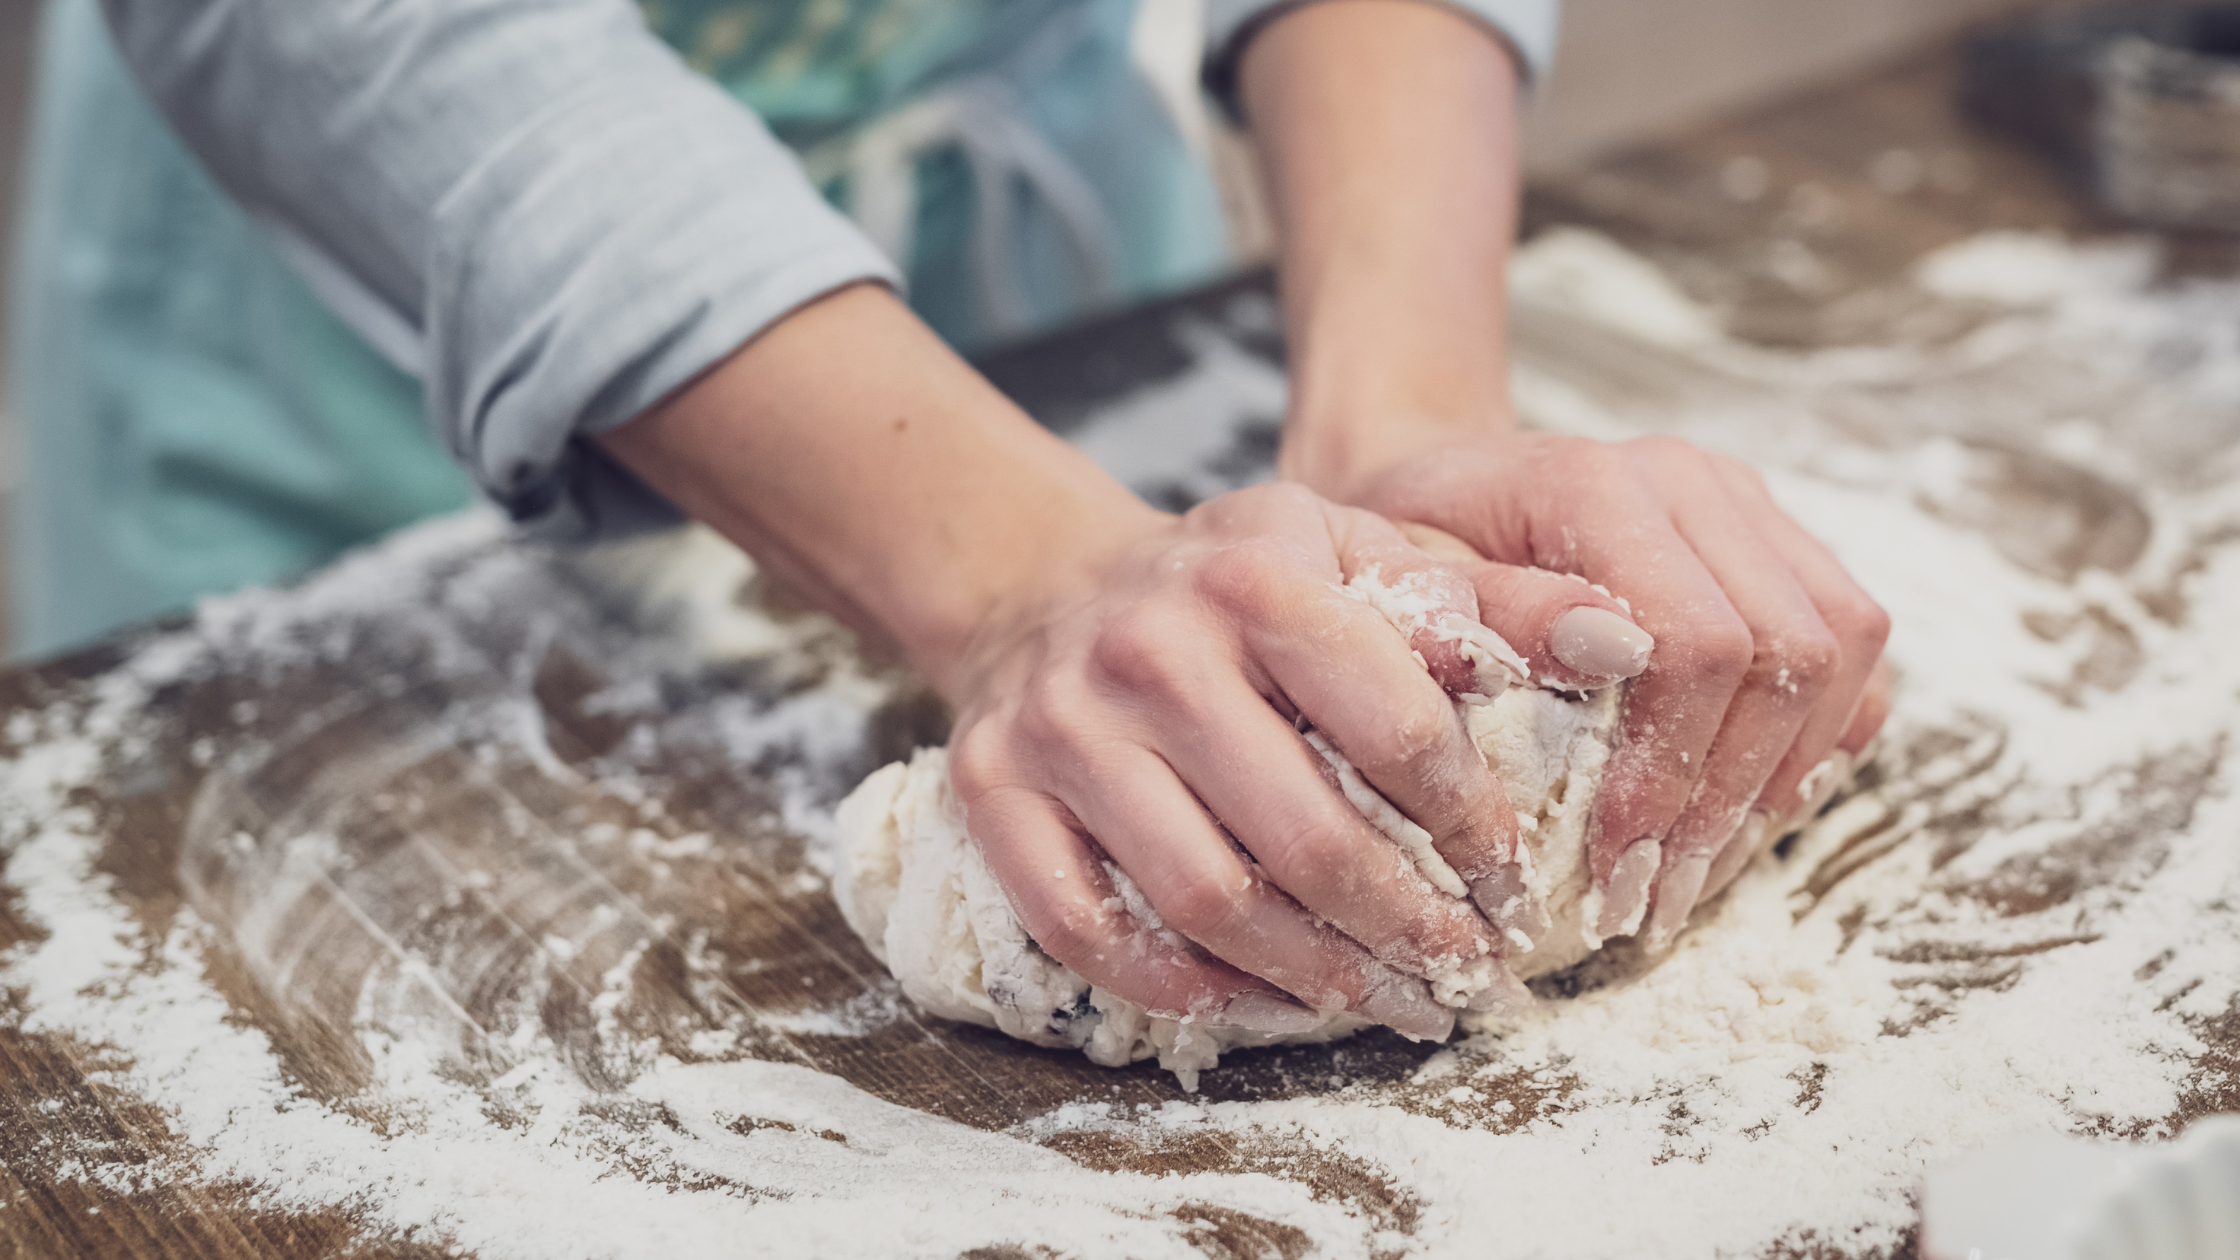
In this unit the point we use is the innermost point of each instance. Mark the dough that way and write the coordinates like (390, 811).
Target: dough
(913, 886)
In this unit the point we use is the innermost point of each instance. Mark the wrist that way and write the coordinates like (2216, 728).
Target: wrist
(964, 619)
(1388, 133)
(1336, 443)
(869, 469)
(1392, 353)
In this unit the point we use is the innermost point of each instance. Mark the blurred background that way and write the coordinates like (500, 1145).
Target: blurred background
(1629, 71)
(17, 20)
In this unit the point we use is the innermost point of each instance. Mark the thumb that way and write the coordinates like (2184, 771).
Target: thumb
(1573, 636)
(1429, 599)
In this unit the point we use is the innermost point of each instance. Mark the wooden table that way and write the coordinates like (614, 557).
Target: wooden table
(1779, 219)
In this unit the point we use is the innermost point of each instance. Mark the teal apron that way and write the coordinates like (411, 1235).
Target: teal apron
(192, 421)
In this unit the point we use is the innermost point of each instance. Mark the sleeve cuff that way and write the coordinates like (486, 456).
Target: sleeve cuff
(599, 260)
(1528, 27)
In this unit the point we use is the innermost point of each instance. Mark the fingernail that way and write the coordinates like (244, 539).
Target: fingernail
(1677, 890)
(1505, 998)
(1625, 898)
(1493, 663)
(1819, 786)
(1604, 644)
(1745, 846)
(1405, 1006)
(1263, 1012)
(1506, 898)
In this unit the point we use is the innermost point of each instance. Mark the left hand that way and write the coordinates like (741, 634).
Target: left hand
(1387, 130)
(1759, 693)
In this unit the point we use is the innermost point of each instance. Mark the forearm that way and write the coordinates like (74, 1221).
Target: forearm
(856, 456)
(532, 205)
(1388, 130)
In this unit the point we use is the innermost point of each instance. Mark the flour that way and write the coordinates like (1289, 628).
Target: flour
(912, 884)
(914, 887)
(2023, 922)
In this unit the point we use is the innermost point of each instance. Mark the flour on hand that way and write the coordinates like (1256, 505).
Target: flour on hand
(913, 886)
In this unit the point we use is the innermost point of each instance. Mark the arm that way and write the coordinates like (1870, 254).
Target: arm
(1120, 673)
(530, 204)
(569, 234)
(1389, 130)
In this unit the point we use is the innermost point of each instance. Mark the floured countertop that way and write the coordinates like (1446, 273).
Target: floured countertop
(467, 899)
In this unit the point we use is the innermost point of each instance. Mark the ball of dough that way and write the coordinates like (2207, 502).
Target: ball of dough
(913, 886)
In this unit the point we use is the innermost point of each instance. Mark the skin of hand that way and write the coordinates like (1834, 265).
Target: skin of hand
(1387, 130)
(1127, 681)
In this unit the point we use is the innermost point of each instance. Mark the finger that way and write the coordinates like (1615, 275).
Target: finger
(1826, 749)
(1385, 716)
(1793, 658)
(1851, 751)
(1276, 797)
(1574, 636)
(1859, 625)
(1198, 884)
(1066, 901)
(1762, 828)
(1674, 708)
(1830, 775)
(1431, 602)
(1873, 710)
(1325, 651)
(1592, 508)
(1582, 641)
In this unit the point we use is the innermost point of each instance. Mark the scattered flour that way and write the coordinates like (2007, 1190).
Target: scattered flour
(913, 885)
(2026, 922)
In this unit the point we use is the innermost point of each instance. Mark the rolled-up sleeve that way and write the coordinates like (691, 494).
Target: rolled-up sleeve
(533, 205)
(1529, 27)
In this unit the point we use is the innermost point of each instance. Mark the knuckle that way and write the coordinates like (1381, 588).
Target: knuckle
(1056, 712)
(1246, 580)
(1405, 734)
(1284, 496)
(977, 757)
(1741, 469)
(1489, 835)
(1590, 460)
(1664, 450)
(1143, 651)
(1255, 506)
(1864, 621)
(1197, 902)
(1801, 664)
(1069, 934)
(1307, 847)
(1717, 653)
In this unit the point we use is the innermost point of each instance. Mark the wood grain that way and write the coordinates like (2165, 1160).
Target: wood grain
(468, 865)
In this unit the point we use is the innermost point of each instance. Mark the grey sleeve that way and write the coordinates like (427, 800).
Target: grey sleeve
(532, 205)
(1528, 26)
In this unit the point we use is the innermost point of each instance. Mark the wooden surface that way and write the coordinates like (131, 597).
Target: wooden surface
(364, 746)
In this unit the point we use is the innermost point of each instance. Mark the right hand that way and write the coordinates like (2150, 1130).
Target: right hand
(1142, 705)
(1127, 680)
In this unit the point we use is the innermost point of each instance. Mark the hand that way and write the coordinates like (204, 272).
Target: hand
(1757, 696)
(1140, 704)
(1126, 678)
(1388, 132)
